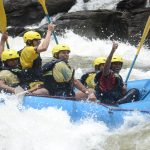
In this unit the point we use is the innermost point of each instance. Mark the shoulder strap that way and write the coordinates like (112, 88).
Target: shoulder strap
(84, 77)
(49, 66)
(119, 80)
(19, 52)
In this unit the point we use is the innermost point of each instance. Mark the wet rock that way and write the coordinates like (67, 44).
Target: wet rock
(95, 24)
(126, 5)
(136, 22)
(16, 31)
(103, 24)
(85, 1)
(27, 12)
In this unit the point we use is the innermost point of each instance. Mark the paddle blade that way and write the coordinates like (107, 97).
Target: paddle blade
(145, 33)
(19, 90)
(20, 93)
(42, 2)
(3, 22)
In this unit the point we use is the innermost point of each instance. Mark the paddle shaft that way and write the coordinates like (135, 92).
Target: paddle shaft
(132, 65)
(3, 20)
(42, 2)
(145, 32)
(49, 20)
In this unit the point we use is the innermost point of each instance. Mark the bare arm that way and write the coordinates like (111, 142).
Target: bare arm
(107, 65)
(2, 42)
(86, 93)
(6, 88)
(79, 85)
(43, 47)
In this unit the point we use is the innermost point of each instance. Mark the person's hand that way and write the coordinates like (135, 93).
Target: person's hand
(114, 46)
(51, 27)
(4, 37)
(91, 95)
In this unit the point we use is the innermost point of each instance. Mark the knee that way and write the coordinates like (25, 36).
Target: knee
(134, 93)
(41, 91)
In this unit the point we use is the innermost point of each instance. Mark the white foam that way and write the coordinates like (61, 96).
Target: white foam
(94, 5)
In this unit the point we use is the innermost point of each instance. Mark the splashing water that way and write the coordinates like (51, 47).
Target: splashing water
(94, 5)
(97, 4)
(51, 128)
(88, 50)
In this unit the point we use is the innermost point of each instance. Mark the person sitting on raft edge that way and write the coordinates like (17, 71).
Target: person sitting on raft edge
(88, 79)
(59, 76)
(110, 88)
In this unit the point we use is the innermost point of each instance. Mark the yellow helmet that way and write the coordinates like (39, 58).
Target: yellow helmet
(117, 59)
(99, 60)
(9, 54)
(31, 35)
(60, 47)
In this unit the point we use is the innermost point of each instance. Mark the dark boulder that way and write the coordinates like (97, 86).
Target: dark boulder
(136, 22)
(95, 24)
(85, 1)
(103, 24)
(127, 5)
(28, 12)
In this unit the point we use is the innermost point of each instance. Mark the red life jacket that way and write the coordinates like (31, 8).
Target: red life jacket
(109, 88)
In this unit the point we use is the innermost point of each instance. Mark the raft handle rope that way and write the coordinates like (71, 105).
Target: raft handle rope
(111, 109)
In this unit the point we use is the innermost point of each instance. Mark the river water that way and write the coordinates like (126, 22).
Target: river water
(51, 129)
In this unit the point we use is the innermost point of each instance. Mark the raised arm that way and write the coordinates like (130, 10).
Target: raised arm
(107, 65)
(43, 47)
(4, 38)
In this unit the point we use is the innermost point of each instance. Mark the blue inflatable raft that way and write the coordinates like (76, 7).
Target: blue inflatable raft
(112, 116)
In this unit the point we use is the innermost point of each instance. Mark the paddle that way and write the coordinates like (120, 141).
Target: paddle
(146, 30)
(20, 91)
(3, 21)
(42, 2)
